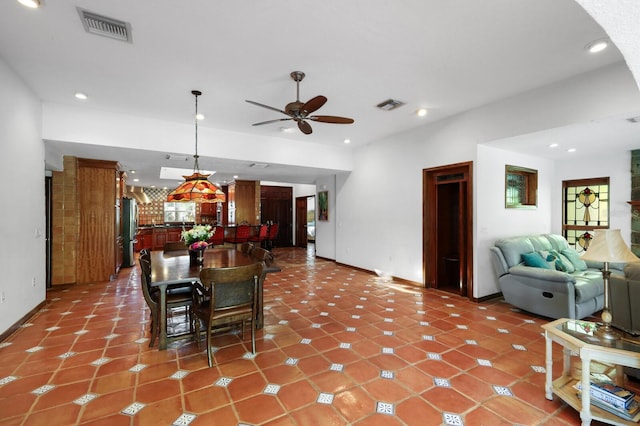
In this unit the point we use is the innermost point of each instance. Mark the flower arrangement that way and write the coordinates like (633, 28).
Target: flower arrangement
(197, 234)
(198, 245)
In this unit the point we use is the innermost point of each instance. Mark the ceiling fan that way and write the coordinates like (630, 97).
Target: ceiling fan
(299, 111)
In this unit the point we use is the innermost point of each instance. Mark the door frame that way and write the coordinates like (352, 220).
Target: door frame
(430, 179)
(301, 228)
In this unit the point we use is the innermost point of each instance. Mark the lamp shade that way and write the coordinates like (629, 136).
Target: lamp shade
(608, 246)
(197, 188)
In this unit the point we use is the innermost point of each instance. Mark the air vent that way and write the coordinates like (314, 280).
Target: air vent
(107, 27)
(259, 165)
(176, 157)
(390, 104)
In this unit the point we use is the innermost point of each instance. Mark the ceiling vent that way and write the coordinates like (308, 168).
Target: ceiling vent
(107, 27)
(259, 165)
(173, 157)
(390, 104)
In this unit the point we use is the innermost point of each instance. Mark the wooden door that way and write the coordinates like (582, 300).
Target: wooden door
(276, 205)
(301, 222)
(447, 227)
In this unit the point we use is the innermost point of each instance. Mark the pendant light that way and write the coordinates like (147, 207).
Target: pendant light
(197, 187)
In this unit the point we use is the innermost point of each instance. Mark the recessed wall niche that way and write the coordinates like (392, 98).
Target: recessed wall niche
(521, 187)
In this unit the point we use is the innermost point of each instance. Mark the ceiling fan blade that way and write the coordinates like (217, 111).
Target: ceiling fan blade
(304, 127)
(313, 104)
(331, 119)
(267, 107)
(271, 121)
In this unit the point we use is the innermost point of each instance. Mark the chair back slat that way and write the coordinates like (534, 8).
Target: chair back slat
(226, 288)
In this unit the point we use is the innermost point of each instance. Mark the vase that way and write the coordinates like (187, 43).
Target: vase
(196, 257)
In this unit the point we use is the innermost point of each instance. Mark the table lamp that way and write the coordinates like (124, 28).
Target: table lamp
(607, 246)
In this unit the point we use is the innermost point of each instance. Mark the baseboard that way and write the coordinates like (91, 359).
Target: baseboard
(487, 298)
(21, 321)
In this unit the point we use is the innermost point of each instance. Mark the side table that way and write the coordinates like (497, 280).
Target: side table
(576, 336)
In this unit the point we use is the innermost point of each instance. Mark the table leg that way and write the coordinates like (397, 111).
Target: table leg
(585, 412)
(162, 344)
(549, 367)
(260, 314)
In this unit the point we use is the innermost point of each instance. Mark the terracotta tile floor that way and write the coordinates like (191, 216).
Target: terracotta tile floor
(338, 347)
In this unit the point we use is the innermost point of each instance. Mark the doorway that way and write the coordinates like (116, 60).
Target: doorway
(305, 221)
(447, 229)
(276, 206)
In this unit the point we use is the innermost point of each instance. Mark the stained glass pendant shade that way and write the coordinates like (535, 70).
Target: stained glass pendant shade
(196, 187)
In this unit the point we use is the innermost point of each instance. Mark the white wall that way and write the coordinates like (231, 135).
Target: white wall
(494, 220)
(22, 252)
(326, 229)
(83, 125)
(379, 204)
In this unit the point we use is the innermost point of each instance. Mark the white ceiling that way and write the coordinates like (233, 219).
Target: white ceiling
(447, 56)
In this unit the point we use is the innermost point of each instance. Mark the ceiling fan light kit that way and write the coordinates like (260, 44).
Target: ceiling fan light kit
(300, 111)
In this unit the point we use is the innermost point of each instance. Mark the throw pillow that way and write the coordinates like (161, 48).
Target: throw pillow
(535, 259)
(562, 262)
(574, 258)
(549, 257)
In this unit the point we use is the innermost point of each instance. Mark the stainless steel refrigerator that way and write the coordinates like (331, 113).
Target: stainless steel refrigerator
(129, 229)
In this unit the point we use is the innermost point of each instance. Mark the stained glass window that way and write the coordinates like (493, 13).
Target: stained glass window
(586, 207)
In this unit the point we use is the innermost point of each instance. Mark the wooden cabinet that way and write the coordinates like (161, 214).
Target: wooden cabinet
(159, 238)
(174, 234)
(99, 184)
(144, 240)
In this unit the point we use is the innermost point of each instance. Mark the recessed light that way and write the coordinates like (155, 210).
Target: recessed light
(286, 129)
(597, 46)
(199, 116)
(553, 145)
(571, 150)
(421, 112)
(33, 4)
(347, 141)
(132, 171)
(136, 180)
(81, 96)
(235, 176)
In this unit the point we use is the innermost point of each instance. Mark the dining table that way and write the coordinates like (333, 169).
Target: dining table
(175, 267)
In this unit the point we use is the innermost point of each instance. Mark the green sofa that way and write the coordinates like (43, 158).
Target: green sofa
(574, 293)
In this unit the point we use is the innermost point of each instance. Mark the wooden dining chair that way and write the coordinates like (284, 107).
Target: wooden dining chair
(217, 239)
(247, 248)
(262, 255)
(273, 235)
(241, 235)
(177, 296)
(261, 236)
(224, 297)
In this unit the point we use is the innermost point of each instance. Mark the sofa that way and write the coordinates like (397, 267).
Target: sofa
(543, 275)
(624, 302)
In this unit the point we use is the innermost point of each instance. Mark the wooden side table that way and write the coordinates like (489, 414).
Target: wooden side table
(576, 336)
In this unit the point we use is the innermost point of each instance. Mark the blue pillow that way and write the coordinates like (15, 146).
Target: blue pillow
(563, 263)
(535, 259)
(575, 259)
